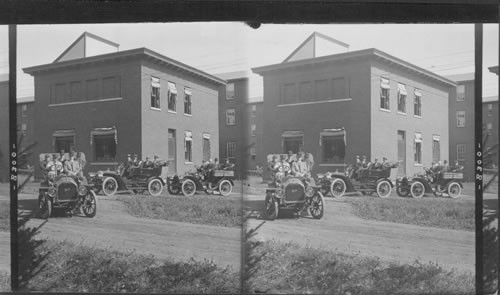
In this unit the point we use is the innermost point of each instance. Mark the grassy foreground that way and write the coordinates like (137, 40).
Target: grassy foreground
(213, 210)
(4, 282)
(77, 268)
(433, 212)
(4, 216)
(289, 268)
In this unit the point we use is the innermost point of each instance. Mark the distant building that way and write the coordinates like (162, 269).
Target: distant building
(4, 127)
(26, 127)
(363, 102)
(109, 103)
(490, 128)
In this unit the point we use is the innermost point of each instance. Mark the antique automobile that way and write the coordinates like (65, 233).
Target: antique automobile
(436, 183)
(58, 190)
(294, 193)
(220, 180)
(366, 181)
(137, 179)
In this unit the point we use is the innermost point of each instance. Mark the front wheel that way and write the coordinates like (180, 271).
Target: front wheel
(337, 187)
(454, 190)
(188, 188)
(44, 207)
(225, 187)
(89, 206)
(271, 208)
(109, 186)
(417, 190)
(384, 189)
(317, 207)
(155, 187)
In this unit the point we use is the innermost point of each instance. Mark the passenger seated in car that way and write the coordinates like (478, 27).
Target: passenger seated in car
(446, 167)
(58, 164)
(456, 167)
(299, 167)
(376, 165)
(147, 163)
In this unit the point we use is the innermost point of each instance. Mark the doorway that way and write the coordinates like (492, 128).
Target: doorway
(172, 144)
(401, 153)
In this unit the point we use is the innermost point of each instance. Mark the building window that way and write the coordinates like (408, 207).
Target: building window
(75, 91)
(306, 94)
(417, 103)
(417, 148)
(231, 151)
(63, 143)
(155, 93)
(206, 146)
(460, 118)
(230, 91)
(110, 87)
(92, 89)
(402, 98)
(384, 94)
(188, 147)
(333, 146)
(253, 153)
(461, 151)
(490, 109)
(104, 141)
(24, 110)
(253, 129)
(254, 111)
(460, 93)
(289, 94)
(292, 141)
(24, 129)
(322, 90)
(436, 148)
(187, 101)
(172, 97)
(230, 117)
(60, 93)
(338, 85)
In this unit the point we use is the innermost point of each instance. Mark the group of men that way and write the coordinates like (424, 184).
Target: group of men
(207, 168)
(134, 162)
(437, 167)
(71, 164)
(296, 165)
(363, 163)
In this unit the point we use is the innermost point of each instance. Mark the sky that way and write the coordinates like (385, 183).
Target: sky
(445, 49)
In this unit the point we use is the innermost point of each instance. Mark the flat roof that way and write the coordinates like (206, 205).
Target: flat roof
(461, 77)
(370, 52)
(141, 52)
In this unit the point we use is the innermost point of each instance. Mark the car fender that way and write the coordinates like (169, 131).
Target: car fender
(428, 188)
(225, 178)
(382, 179)
(348, 183)
(156, 177)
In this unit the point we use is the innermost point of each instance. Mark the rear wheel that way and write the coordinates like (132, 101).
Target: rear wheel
(89, 206)
(417, 190)
(44, 207)
(271, 208)
(225, 187)
(337, 187)
(454, 190)
(155, 187)
(317, 207)
(384, 189)
(188, 188)
(109, 186)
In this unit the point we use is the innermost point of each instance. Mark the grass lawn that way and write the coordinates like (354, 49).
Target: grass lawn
(4, 282)
(76, 268)
(434, 212)
(213, 210)
(4, 216)
(289, 268)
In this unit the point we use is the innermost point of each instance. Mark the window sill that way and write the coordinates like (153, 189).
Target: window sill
(401, 113)
(155, 109)
(172, 112)
(188, 163)
(103, 163)
(314, 102)
(85, 101)
(417, 116)
(417, 165)
(385, 110)
(188, 115)
(460, 126)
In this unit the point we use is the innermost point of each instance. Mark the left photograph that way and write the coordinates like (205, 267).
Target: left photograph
(123, 173)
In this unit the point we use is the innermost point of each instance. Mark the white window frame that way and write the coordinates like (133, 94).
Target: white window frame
(230, 112)
(172, 97)
(385, 86)
(231, 146)
(418, 95)
(188, 154)
(457, 115)
(460, 97)
(155, 84)
(188, 99)
(460, 147)
(402, 95)
(230, 89)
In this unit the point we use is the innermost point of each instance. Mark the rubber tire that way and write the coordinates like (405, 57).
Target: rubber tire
(338, 180)
(448, 190)
(378, 188)
(399, 193)
(273, 204)
(48, 212)
(111, 179)
(320, 214)
(93, 199)
(415, 184)
(188, 181)
(156, 180)
(225, 181)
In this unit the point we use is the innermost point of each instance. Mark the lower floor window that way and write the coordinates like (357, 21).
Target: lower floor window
(333, 149)
(231, 150)
(188, 151)
(104, 148)
(64, 144)
(294, 144)
(436, 151)
(460, 151)
(418, 153)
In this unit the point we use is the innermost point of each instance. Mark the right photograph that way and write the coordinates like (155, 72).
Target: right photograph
(361, 159)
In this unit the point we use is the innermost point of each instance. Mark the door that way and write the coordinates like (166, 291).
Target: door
(401, 153)
(172, 166)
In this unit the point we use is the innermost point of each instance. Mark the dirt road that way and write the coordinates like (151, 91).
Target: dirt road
(115, 229)
(340, 229)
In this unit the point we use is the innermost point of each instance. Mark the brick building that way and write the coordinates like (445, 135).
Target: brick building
(4, 127)
(364, 102)
(109, 103)
(26, 126)
(490, 127)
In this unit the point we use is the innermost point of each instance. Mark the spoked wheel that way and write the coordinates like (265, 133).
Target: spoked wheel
(271, 208)
(109, 186)
(317, 207)
(384, 189)
(417, 190)
(454, 190)
(188, 188)
(44, 207)
(89, 206)
(225, 187)
(155, 187)
(402, 191)
(337, 187)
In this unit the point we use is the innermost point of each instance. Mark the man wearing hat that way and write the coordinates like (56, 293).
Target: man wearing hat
(364, 162)
(376, 165)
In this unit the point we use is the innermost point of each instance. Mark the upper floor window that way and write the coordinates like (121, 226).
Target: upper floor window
(75, 91)
(338, 85)
(24, 110)
(460, 93)
(111, 87)
(402, 98)
(322, 91)
(289, 95)
(172, 97)
(60, 93)
(230, 91)
(24, 128)
(155, 93)
(92, 89)
(230, 117)
(384, 94)
(417, 104)
(187, 101)
(306, 93)
(253, 129)
(254, 111)
(460, 118)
